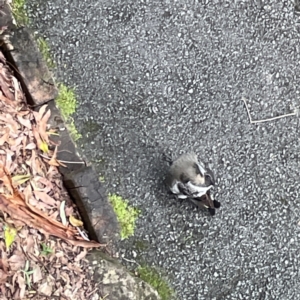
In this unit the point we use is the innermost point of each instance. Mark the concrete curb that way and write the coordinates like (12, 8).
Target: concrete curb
(80, 179)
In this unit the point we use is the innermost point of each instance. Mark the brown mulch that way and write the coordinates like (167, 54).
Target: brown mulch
(42, 240)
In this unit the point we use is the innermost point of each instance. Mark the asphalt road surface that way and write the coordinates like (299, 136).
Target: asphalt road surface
(156, 77)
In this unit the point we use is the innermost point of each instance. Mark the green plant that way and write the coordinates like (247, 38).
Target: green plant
(67, 104)
(27, 274)
(45, 50)
(19, 13)
(9, 235)
(46, 250)
(73, 131)
(66, 101)
(152, 276)
(126, 215)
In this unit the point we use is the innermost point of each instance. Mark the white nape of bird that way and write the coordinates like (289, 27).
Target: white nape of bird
(188, 178)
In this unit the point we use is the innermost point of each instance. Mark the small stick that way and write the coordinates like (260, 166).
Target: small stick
(64, 161)
(93, 291)
(131, 261)
(268, 119)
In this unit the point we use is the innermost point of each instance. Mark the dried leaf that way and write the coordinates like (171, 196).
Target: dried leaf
(25, 122)
(5, 136)
(43, 126)
(62, 213)
(10, 122)
(10, 166)
(5, 180)
(3, 277)
(45, 198)
(17, 88)
(7, 101)
(37, 274)
(3, 261)
(20, 179)
(41, 144)
(34, 164)
(53, 161)
(81, 255)
(45, 288)
(47, 183)
(15, 143)
(30, 146)
(22, 285)
(38, 115)
(75, 222)
(52, 132)
(16, 262)
(9, 236)
(44, 147)
(30, 243)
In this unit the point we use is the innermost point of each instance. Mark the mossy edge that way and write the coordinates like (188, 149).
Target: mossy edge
(126, 215)
(45, 51)
(67, 104)
(153, 278)
(19, 12)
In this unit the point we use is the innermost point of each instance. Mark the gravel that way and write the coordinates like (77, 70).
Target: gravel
(156, 77)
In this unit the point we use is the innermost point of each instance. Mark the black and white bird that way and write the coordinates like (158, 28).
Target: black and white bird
(188, 178)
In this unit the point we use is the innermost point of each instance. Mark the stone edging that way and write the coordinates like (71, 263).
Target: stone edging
(80, 180)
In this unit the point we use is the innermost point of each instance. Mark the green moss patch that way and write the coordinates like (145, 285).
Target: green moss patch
(67, 104)
(66, 101)
(45, 50)
(73, 131)
(126, 215)
(19, 13)
(152, 276)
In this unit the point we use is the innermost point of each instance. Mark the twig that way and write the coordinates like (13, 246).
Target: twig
(268, 119)
(64, 161)
(131, 261)
(92, 292)
(83, 234)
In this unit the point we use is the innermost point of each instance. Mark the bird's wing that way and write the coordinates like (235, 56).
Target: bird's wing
(197, 191)
(189, 189)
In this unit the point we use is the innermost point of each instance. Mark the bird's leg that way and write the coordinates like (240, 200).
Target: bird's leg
(216, 203)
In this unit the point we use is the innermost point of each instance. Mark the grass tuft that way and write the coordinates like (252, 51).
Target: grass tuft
(67, 104)
(126, 215)
(66, 101)
(152, 277)
(19, 13)
(45, 50)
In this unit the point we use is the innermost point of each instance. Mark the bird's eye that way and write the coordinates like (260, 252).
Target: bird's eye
(208, 179)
